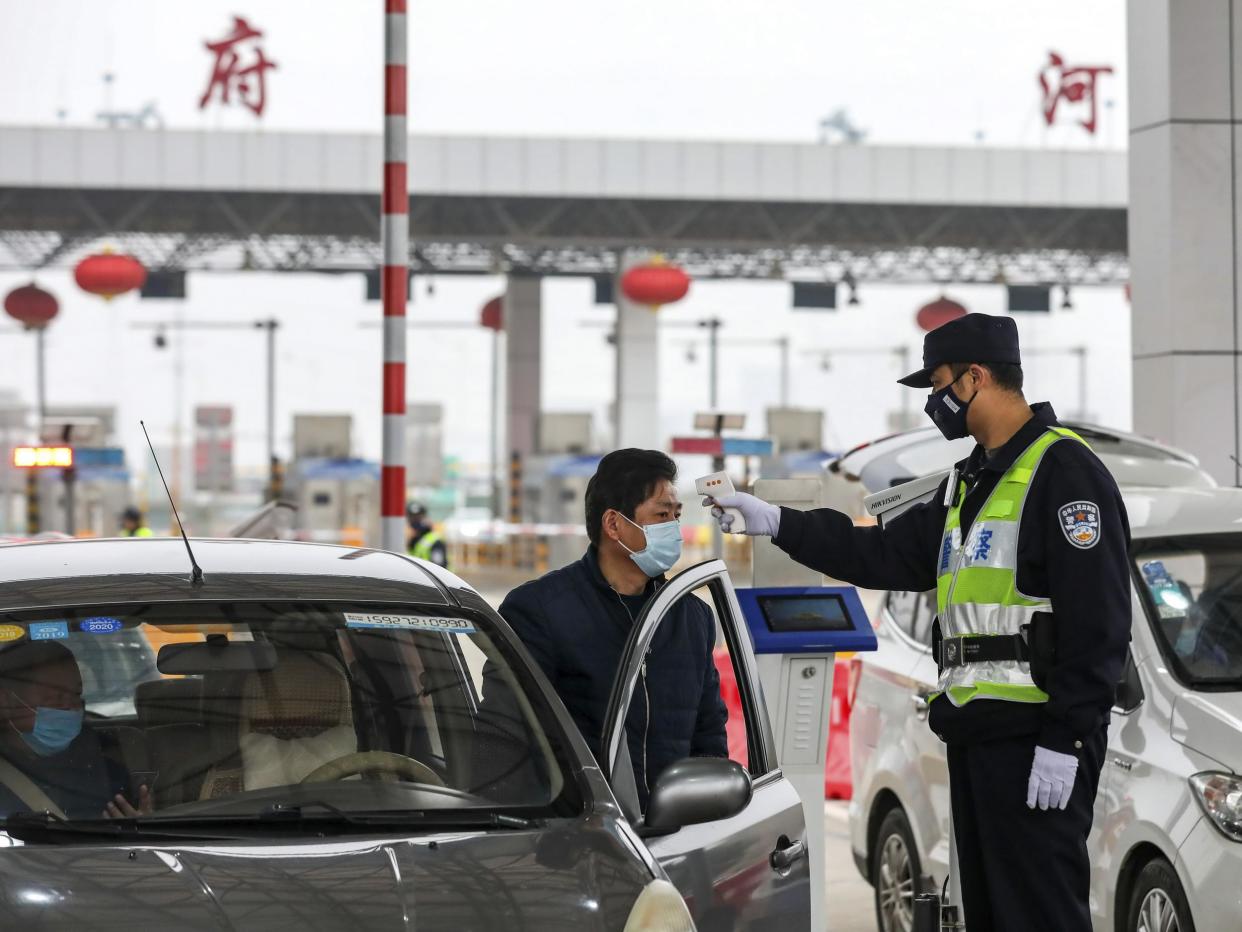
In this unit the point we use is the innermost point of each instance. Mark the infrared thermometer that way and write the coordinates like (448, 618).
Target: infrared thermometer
(719, 485)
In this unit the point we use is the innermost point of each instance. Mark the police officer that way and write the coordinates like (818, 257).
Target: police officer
(1026, 546)
(132, 524)
(423, 540)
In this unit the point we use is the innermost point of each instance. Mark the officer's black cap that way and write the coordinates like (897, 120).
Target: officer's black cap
(973, 338)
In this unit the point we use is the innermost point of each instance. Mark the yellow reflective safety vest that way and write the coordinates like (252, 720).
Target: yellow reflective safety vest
(423, 546)
(977, 582)
(143, 531)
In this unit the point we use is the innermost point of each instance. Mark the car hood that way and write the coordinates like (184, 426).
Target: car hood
(583, 877)
(1210, 723)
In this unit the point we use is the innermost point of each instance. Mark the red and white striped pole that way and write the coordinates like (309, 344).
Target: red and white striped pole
(394, 278)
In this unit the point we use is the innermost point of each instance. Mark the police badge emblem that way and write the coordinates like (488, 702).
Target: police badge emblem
(1080, 522)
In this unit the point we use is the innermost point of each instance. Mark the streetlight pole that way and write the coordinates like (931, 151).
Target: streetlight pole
(783, 343)
(40, 380)
(493, 460)
(269, 326)
(713, 325)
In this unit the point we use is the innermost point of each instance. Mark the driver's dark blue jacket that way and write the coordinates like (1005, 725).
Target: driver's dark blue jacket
(575, 626)
(81, 779)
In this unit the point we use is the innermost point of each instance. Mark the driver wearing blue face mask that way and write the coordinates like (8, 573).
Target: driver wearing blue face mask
(45, 744)
(575, 621)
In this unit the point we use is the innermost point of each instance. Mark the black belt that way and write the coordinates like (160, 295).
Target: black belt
(972, 648)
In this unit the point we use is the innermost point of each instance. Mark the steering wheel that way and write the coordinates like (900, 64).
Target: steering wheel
(360, 762)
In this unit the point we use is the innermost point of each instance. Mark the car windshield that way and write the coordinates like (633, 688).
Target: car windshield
(238, 710)
(1192, 590)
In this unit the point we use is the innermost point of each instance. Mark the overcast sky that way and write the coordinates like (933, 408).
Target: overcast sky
(908, 72)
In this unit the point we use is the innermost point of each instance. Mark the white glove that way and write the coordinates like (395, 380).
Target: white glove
(760, 517)
(1052, 779)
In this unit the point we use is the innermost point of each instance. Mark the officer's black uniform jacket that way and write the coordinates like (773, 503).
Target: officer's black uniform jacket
(1089, 588)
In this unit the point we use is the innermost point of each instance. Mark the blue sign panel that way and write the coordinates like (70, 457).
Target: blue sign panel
(48, 630)
(98, 456)
(746, 446)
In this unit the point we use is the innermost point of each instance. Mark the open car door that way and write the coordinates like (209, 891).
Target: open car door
(747, 870)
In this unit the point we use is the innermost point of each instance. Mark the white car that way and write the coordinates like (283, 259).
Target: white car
(1166, 847)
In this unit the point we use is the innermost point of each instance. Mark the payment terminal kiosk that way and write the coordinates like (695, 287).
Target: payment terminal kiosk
(798, 625)
(797, 632)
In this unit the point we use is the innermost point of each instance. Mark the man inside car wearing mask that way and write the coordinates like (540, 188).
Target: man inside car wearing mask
(1026, 546)
(45, 745)
(575, 622)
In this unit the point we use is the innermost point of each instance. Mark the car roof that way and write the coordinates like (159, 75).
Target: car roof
(1163, 512)
(1133, 460)
(72, 572)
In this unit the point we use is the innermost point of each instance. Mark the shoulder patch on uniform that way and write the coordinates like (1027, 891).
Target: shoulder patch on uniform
(1080, 522)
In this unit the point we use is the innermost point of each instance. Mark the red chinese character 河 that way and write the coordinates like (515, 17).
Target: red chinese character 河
(228, 74)
(1074, 85)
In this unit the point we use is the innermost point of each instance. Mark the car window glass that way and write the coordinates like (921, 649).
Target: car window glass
(690, 687)
(110, 667)
(1192, 592)
(913, 613)
(738, 725)
(226, 709)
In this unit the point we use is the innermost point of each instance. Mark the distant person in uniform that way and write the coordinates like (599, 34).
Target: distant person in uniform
(424, 541)
(45, 743)
(132, 524)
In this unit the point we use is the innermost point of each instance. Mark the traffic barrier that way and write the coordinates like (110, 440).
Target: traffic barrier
(735, 726)
(838, 783)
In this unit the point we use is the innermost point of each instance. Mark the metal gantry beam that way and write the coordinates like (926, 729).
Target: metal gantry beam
(571, 236)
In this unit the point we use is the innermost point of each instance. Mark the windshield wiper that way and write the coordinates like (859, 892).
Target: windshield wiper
(401, 818)
(47, 827)
(43, 826)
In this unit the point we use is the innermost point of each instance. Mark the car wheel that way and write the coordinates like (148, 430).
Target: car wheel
(1158, 902)
(895, 870)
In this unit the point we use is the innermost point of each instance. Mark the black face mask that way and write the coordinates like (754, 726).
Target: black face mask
(948, 412)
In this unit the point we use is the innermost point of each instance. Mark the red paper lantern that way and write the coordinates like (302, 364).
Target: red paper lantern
(493, 314)
(655, 284)
(31, 306)
(938, 313)
(109, 274)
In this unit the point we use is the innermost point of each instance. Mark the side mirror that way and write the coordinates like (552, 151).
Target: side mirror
(695, 790)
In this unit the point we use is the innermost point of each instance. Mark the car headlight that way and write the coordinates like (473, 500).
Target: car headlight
(659, 908)
(1220, 795)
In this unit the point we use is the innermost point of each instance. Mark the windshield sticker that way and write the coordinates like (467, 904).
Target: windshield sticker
(408, 622)
(1156, 575)
(100, 625)
(11, 633)
(48, 630)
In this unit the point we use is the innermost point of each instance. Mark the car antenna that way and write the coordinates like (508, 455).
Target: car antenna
(196, 571)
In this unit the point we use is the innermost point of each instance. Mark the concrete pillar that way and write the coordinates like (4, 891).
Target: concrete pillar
(1185, 96)
(637, 407)
(523, 321)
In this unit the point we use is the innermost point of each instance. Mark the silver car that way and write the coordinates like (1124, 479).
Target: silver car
(1166, 848)
(335, 738)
